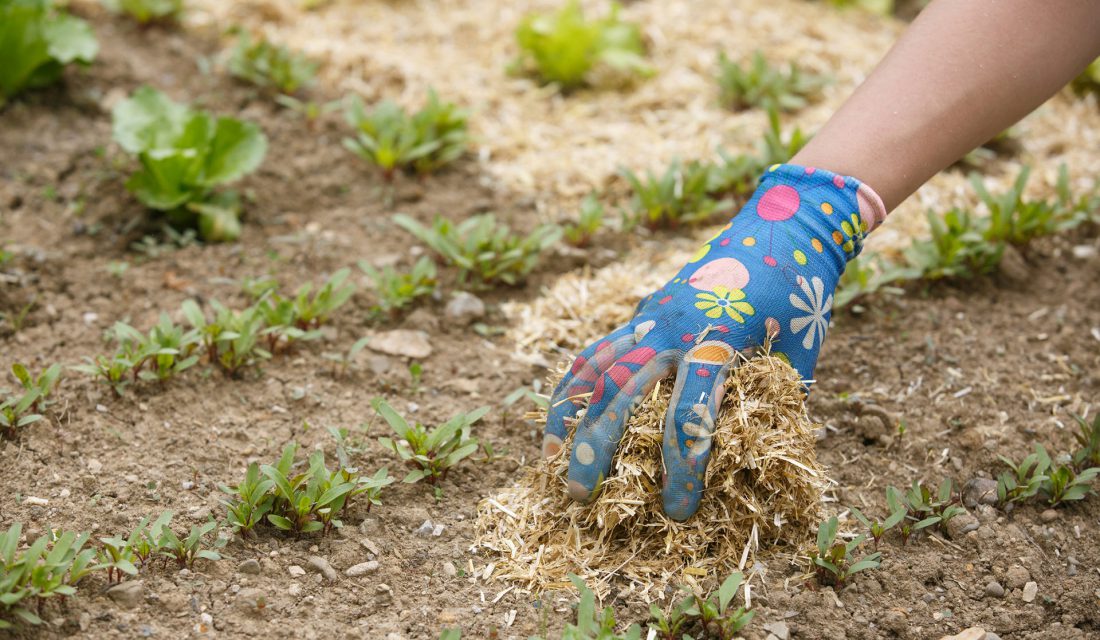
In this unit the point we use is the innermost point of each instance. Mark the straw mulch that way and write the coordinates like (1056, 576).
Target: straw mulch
(764, 487)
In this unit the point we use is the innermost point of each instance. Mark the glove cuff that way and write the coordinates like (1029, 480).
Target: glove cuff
(834, 211)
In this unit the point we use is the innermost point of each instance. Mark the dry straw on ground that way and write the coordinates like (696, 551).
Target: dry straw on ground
(763, 488)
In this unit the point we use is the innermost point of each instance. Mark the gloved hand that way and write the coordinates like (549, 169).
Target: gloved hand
(770, 272)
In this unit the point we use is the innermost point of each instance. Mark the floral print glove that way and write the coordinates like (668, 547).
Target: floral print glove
(770, 272)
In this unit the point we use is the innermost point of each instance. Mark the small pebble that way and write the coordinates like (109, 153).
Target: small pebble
(322, 566)
(994, 590)
(449, 569)
(296, 571)
(1030, 591)
(250, 566)
(1050, 515)
(295, 590)
(362, 568)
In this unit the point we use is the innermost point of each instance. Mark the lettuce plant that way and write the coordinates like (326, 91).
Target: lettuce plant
(264, 64)
(185, 155)
(147, 11)
(36, 42)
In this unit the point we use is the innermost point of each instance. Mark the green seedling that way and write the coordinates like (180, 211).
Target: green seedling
(344, 360)
(147, 11)
(681, 195)
(956, 249)
(185, 156)
(115, 370)
(879, 7)
(831, 560)
(759, 84)
(776, 148)
(570, 51)
(270, 66)
(524, 393)
(588, 223)
(1016, 220)
(44, 384)
(430, 454)
(187, 550)
(1026, 479)
(119, 555)
(416, 372)
(16, 413)
(251, 500)
(1089, 80)
(49, 568)
(484, 250)
(593, 625)
(1088, 438)
(310, 110)
(671, 625)
(878, 529)
(231, 340)
(714, 614)
(395, 290)
(37, 41)
(932, 508)
(314, 310)
(451, 634)
(394, 140)
(1063, 484)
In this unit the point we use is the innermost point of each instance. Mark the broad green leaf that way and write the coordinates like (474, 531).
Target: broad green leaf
(148, 120)
(71, 39)
(237, 148)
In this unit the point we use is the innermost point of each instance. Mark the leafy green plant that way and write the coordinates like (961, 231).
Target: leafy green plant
(185, 156)
(759, 84)
(1088, 437)
(1025, 479)
(1063, 484)
(775, 147)
(43, 385)
(832, 560)
(878, 529)
(119, 555)
(717, 618)
(251, 500)
(394, 140)
(147, 11)
(185, 551)
(395, 290)
(588, 223)
(930, 508)
(115, 370)
(681, 195)
(957, 248)
(430, 454)
(343, 360)
(1089, 80)
(49, 568)
(268, 65)
(594, 625)
(311, 110)
(1016, 220)
(36, 42)
(484, 250)
(567, 50)
(16, 412)
(232, 339)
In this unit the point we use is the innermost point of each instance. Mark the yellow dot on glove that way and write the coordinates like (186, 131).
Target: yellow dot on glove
(799, 257)
(749, 241)
(827, 208)
(818, 247)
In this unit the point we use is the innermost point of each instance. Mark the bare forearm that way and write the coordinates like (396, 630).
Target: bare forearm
(963, 72)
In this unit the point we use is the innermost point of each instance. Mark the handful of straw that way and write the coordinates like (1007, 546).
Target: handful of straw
(763, 487)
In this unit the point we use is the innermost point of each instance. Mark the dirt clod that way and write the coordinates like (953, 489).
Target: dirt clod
(128, 595)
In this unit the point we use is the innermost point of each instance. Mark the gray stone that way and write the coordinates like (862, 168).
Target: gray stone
(250, 566)
(961, 525)
(979, 491)
(464, 308)
(362, 569)
(250, 600)
(1030, 591)
(778, 629)
(379, 364)
(989, 635)
(128, 595)
(449, 569)
(322, 566)
(295, 571)
(994, 590)
(1049, 515)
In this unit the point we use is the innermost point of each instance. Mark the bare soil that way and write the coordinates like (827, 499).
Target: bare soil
(986, 369)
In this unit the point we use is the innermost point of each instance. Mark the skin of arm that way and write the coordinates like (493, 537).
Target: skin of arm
(964, 71)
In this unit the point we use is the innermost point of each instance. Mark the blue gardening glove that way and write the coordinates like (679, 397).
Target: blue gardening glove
(770, 272)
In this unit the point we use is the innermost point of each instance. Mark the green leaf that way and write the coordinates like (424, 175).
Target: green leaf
(236, 149)
(396, 422)
(280, 522)
(728, 590)
(148, 120)
(71, 39)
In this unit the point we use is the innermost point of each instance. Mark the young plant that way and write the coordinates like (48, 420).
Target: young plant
(671, 625)
(147, 11)
(681, 195)
(185, 156)
(1063, 484)
(957, 248)
(1026, 479)
(567, 50)
(118, 555)
(396, 290)
(484, 250)
(232, 338)
(878, 529)
(1088, 437)
(775, 148)
(1089, 80)
(343, 360)
(832, 560)
(589, 222)
(251, 500)
(431, 454)
(313, 310)
(593, 625)
(116, 370)
(16, 412)
(187, 550)
(1016, 220)
(310, 110)
(267, 65)
(36, 42)
(760, 85)
(44, 383)
(49, 568)
(932, 509)
(714, 613)
(394, 140)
